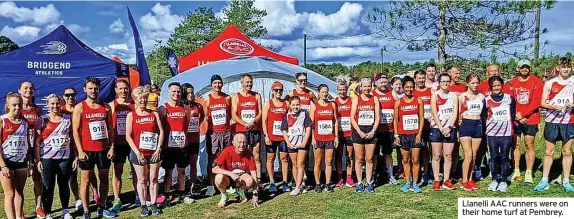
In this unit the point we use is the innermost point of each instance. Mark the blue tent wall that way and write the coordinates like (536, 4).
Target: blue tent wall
(57, 61)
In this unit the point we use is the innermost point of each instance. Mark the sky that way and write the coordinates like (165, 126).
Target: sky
(337, 30)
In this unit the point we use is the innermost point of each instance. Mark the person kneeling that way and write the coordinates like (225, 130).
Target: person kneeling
(236, 165)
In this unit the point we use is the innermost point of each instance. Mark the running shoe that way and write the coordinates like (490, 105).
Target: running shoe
(117, 205)
(393, 181)
(272, 187)
(416, 188)
(466, 186)
(155, 210)
(542, 186)
(567, 186)
(406, 187)
(340, 183)
(478, 174)
(473, 185)
(40, 214)
(350, 182)
(448, 185)
(86, 216)
(210, 191)
(223, 201)
(318, 188)
(285, 187)
(436, 186)
(78, 205)
(369, 188)
(502, 187)
(528, 177)
(109, 214)
(66, 214)
(493, 186)
(329, 188)
(188, 199)
(516, 176)
(241, 195)
(48, 216)
(295, 192)
(359, 187)
(304, 191)
(144, 211)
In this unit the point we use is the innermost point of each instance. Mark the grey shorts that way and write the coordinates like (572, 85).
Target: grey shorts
(218, 140)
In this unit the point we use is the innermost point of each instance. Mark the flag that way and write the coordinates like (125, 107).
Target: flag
(172, 61)
(140, 56)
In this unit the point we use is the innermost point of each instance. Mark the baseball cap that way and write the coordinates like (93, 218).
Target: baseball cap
(523, 62)
(277, 85)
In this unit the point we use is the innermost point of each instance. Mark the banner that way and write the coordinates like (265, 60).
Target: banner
(140, 56)
(172, 61)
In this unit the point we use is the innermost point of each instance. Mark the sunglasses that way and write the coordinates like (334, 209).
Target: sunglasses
(444, 81)
(278, 90)
(302, 80)
(69, 95)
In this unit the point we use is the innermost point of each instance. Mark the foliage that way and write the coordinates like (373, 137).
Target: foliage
(7, 45)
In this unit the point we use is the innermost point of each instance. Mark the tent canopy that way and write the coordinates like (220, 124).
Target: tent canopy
(230, 43)
(134, 75)
(57, 61)
(263, 69)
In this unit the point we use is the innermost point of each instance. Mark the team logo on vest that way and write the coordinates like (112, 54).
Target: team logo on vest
(325, 112)
(384, 99)
(236, 47)
(247, 104)
(278, 110)
(31, 117)
(145, 120)
(176, 115)
(237, 165)
(409, 107)
(95, 115)
(425, 97)
(343, 107)
(216, 106)
(122, 113)
(366, 107)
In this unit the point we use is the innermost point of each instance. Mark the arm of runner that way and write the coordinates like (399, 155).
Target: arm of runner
(76, 119)
(129, 138)
(312, 117)
(455, 113)
(114, 123)
(264, 119)
(377, 118)
(4, 170)
(544, 98)
(307, 124)
(396, 116)
(336, 122)
(284, 130)
(258, 116)
(206, 110)
(111, 133)
(37, 141)
(237, 119)
(354, 109)
(434, 110)
(421, 119)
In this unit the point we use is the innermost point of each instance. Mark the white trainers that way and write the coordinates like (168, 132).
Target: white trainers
(223, 201)
(492, 186)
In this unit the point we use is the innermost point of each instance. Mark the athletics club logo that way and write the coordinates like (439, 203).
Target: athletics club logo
(236, 47)
(53, 48)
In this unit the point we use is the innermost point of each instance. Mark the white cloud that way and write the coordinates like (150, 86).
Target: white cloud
(160, 19)
(21, 34)
(281, 17)
(77, 29)
(345, 20)
(37, 16)
(121, 50)
(121, 46)
(117, 26)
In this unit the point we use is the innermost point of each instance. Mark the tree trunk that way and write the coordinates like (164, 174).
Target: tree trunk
(537, 31)
(442, 35)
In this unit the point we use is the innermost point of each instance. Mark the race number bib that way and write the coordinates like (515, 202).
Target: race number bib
(248, 116)
(387, 116)
(563, 99)
(427, 111)
(176, 139)
(219, 117)
(366, 117)
(148, 141)
(325, 127)
(410, 122)
(474, 107)
(18, 145)
(345, 123)
(500, 114)
(296, 130)
(57, 142)
(445, 112)
(98, 130)
(193, 125)
(121, 126)
(277, 128)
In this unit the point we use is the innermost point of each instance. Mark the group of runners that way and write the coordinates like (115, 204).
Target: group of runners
(425, 119)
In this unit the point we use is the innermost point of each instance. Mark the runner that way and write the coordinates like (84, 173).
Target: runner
(396, 86)
(397, 92)
(69, 96)
(144, 134)
(365, 120)
(484, 89)
(246, 112)
(431, 77)
(296, 128)
(14, 159)
(305, 95)
(52, 153)
(471, 130)
(91, 122)
(218, 115)
(501, 111)
(444, 109)
(196, 117)
(273, 113)
(424, 93)
(236, 165)
(343, 102)
(325, 137)
(175, 120)
(153, 98)
(385, 131)
(457, 88)
(557, 99)
(528, 92)
(32, 113)
(120, 107)
(408, 137)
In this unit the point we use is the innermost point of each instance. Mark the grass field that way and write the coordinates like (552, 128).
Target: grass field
(386, 202)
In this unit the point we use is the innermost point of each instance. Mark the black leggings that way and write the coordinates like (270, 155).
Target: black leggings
(60, 170)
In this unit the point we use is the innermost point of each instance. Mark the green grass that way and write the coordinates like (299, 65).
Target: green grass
(387, 201)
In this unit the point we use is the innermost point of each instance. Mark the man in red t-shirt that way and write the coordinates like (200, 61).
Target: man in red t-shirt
(236, 164)
(528, 94)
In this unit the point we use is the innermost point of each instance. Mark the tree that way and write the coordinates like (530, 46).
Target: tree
(7, 45)
(246, 17)
(195, 31)
(428, 24)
